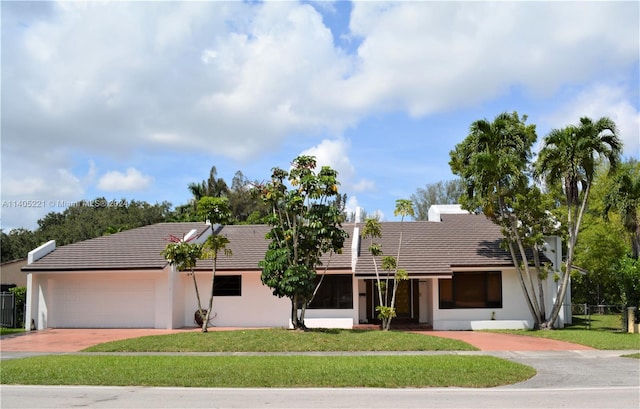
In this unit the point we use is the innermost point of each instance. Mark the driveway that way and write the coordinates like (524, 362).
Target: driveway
(74, 340)
(71, 340)
(491, 341)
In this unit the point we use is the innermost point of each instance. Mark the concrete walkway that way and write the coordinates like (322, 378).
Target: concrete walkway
(74, 340)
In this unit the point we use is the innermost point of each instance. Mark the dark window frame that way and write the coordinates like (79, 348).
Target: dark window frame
(335, 293)
(453, 292)
(227, 286)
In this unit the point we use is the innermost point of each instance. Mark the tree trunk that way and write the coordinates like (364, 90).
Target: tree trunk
(301, 323)
(525, 262)
(536, 262)
(205, 324)
(195, 284)
(393, 304)
(635, 242)
(573, 237)
(294, 312)
(523, 285)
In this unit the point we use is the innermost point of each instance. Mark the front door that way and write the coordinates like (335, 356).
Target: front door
(406, 300)
(403, 300)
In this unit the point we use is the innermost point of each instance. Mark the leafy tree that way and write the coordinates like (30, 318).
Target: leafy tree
(20, 294)
(83, 220)
(305, 226)
(493, 162)
(603, 244)
(394, 275)
(245, 206)
(569, 158)
(442, 192)
(630, 273)
(17, 244)
(624, 196)
(213, 210)
(184, 255)
(598, 254)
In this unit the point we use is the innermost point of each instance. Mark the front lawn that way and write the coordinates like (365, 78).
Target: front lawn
(389, 371)
(599, 339)
(282, 340)
(8, 331)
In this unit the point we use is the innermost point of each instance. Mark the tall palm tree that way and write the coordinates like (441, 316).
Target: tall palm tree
(493, 163)
(625, 198)
(212, 187)
(569, 156)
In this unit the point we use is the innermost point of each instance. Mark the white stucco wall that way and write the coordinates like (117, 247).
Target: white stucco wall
(513, 314)
(553, 251)
(256, 307)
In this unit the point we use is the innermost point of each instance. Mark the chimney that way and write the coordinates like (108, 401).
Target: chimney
(358, 216)
(435, 211)
(36, 254)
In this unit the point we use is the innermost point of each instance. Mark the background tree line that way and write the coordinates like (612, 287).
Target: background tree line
(95, 218)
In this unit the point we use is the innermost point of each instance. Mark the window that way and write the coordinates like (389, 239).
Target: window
(225, 286)
(336, 292)
(471, 290)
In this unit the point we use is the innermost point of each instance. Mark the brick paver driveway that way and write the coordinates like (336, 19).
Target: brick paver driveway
(73, 340)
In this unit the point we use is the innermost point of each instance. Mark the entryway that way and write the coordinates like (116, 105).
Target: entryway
(411, 301)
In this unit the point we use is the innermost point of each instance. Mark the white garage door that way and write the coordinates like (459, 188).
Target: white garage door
(101, 303)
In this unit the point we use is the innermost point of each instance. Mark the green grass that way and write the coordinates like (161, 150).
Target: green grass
(636, 356)
(282, 340)
(8, 331)
(267, 371)
(599, 322)
(605, 334)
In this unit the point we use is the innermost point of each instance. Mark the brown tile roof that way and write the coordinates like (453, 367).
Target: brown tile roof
(140, 249)
(132, 249)
(248, 245)
(430, 248)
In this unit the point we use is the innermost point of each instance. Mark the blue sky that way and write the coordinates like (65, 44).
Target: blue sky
(136, 100)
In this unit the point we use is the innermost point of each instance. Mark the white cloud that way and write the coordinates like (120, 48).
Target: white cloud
(236, 79)
(351, 205)
(132, 180)
(601, 100)
(428, 57)
(28, 196)
(335, 153)
(364, 185)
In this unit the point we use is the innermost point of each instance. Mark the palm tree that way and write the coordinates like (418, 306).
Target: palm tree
(493, 163)
(569, 156)
(624, 196)
(212, 187)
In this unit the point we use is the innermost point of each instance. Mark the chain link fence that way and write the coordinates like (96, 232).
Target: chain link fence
(600, 317)
(8, 310)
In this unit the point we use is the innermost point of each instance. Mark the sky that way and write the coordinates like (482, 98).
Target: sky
(136, 100)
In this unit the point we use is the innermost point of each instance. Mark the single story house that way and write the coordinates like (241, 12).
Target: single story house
(459, 278)
(11, 274)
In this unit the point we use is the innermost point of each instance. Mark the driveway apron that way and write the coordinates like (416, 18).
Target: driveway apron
(74, 340)
(491, 341)
(71, 340)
